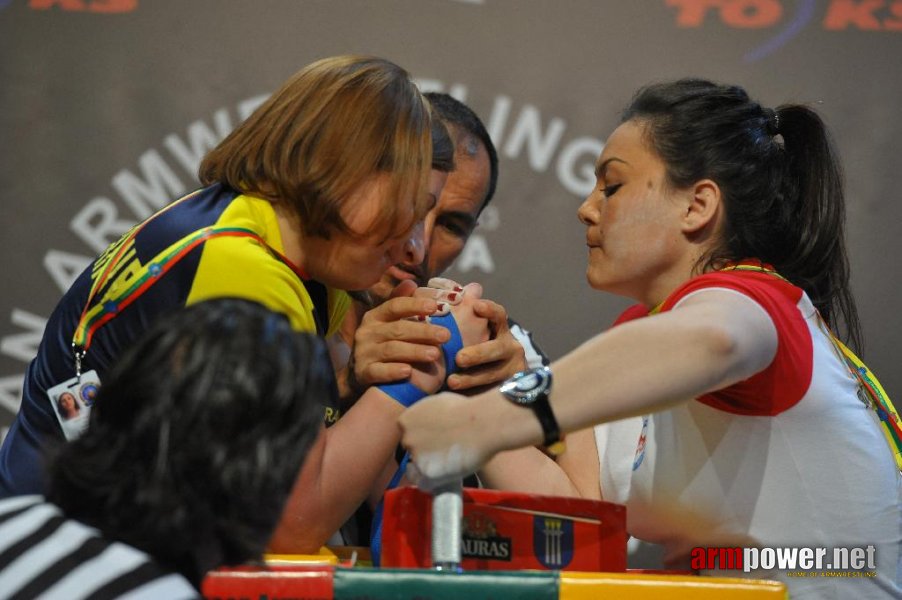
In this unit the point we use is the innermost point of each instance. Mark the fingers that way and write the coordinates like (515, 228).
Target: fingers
(477, 379)
(395, 340)
(436, 432)
(453, 296)
(389, 347)
(482, 354)
(422, 369)
(404, 331)
(488, 363)
(406, 351)
(428, 484)
(446, 290)
(434, 468)
(388, 352)
(444, 284)
(473, 290)
(495, 313)
(376, 373)
(405, 288)
(445, 298)
(395, 309)
(501, 349)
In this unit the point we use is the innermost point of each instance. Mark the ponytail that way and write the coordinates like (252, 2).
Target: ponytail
(780, 179)
(812, 192)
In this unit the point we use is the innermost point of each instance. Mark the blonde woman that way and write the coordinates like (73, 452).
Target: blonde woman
(317, 193)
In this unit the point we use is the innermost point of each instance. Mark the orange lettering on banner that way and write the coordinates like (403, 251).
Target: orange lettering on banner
(691, 13)
(858, 13)
(894, 24)
(749, 14)
(113, 6)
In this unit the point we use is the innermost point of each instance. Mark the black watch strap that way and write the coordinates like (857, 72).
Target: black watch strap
(531, 388)
(550, 429)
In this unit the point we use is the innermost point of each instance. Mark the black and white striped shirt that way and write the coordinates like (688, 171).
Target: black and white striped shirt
(44, 554)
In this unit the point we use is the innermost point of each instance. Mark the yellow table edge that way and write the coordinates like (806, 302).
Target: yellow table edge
(589, 586)
(325, 556)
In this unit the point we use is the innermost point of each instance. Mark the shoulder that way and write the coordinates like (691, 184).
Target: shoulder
(39, 529)
(786, 379)
(243, 267)
(768, 290)
(20, 505)
(784, 304)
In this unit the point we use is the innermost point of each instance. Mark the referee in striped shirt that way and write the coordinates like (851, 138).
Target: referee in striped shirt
(193, 446)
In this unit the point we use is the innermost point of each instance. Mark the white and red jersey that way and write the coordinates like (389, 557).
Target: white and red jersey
(789, 457)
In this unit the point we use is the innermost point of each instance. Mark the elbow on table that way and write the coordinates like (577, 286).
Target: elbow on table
(298, 536)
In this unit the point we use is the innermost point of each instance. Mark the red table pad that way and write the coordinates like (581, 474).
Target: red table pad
(509, 531)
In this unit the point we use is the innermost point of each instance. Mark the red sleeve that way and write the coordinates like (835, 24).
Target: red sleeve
(785, 381)
(637, 311)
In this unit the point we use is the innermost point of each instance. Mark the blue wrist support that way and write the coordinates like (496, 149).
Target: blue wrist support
(407, 393)
(404, 392)
(452, 346)
(376, 525)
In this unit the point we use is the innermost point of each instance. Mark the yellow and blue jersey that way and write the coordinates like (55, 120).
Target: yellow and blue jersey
(213, 243)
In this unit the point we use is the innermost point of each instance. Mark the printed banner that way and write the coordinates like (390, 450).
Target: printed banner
(107, 107)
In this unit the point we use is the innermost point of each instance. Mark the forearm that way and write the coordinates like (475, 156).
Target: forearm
(338, 477)
(574, 473)
(381, 484)
(527, 470)
(711, 341)
(638, 368)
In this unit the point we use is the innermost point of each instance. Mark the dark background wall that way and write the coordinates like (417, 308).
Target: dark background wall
(107, 105)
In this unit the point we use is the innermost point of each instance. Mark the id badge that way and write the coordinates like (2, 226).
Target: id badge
(72, 401)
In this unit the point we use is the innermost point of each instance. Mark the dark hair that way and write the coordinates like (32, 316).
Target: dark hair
(456, 113)
(197, 436)
(780, 177)
(442, 147)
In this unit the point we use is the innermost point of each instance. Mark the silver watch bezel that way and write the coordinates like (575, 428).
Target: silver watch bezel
(539, 384)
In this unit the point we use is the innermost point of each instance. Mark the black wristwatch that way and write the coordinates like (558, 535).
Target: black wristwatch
(531, 388)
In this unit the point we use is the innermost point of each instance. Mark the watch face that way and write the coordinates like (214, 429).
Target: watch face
(526, 386)
(528, 382)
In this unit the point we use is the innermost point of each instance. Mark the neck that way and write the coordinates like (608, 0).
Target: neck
(668, 281)
(290, 232)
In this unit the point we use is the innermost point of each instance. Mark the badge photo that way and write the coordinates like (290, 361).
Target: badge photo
(71, 401)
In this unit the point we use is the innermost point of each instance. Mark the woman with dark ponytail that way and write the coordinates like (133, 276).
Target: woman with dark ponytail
(782, 177)
(724, 220)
